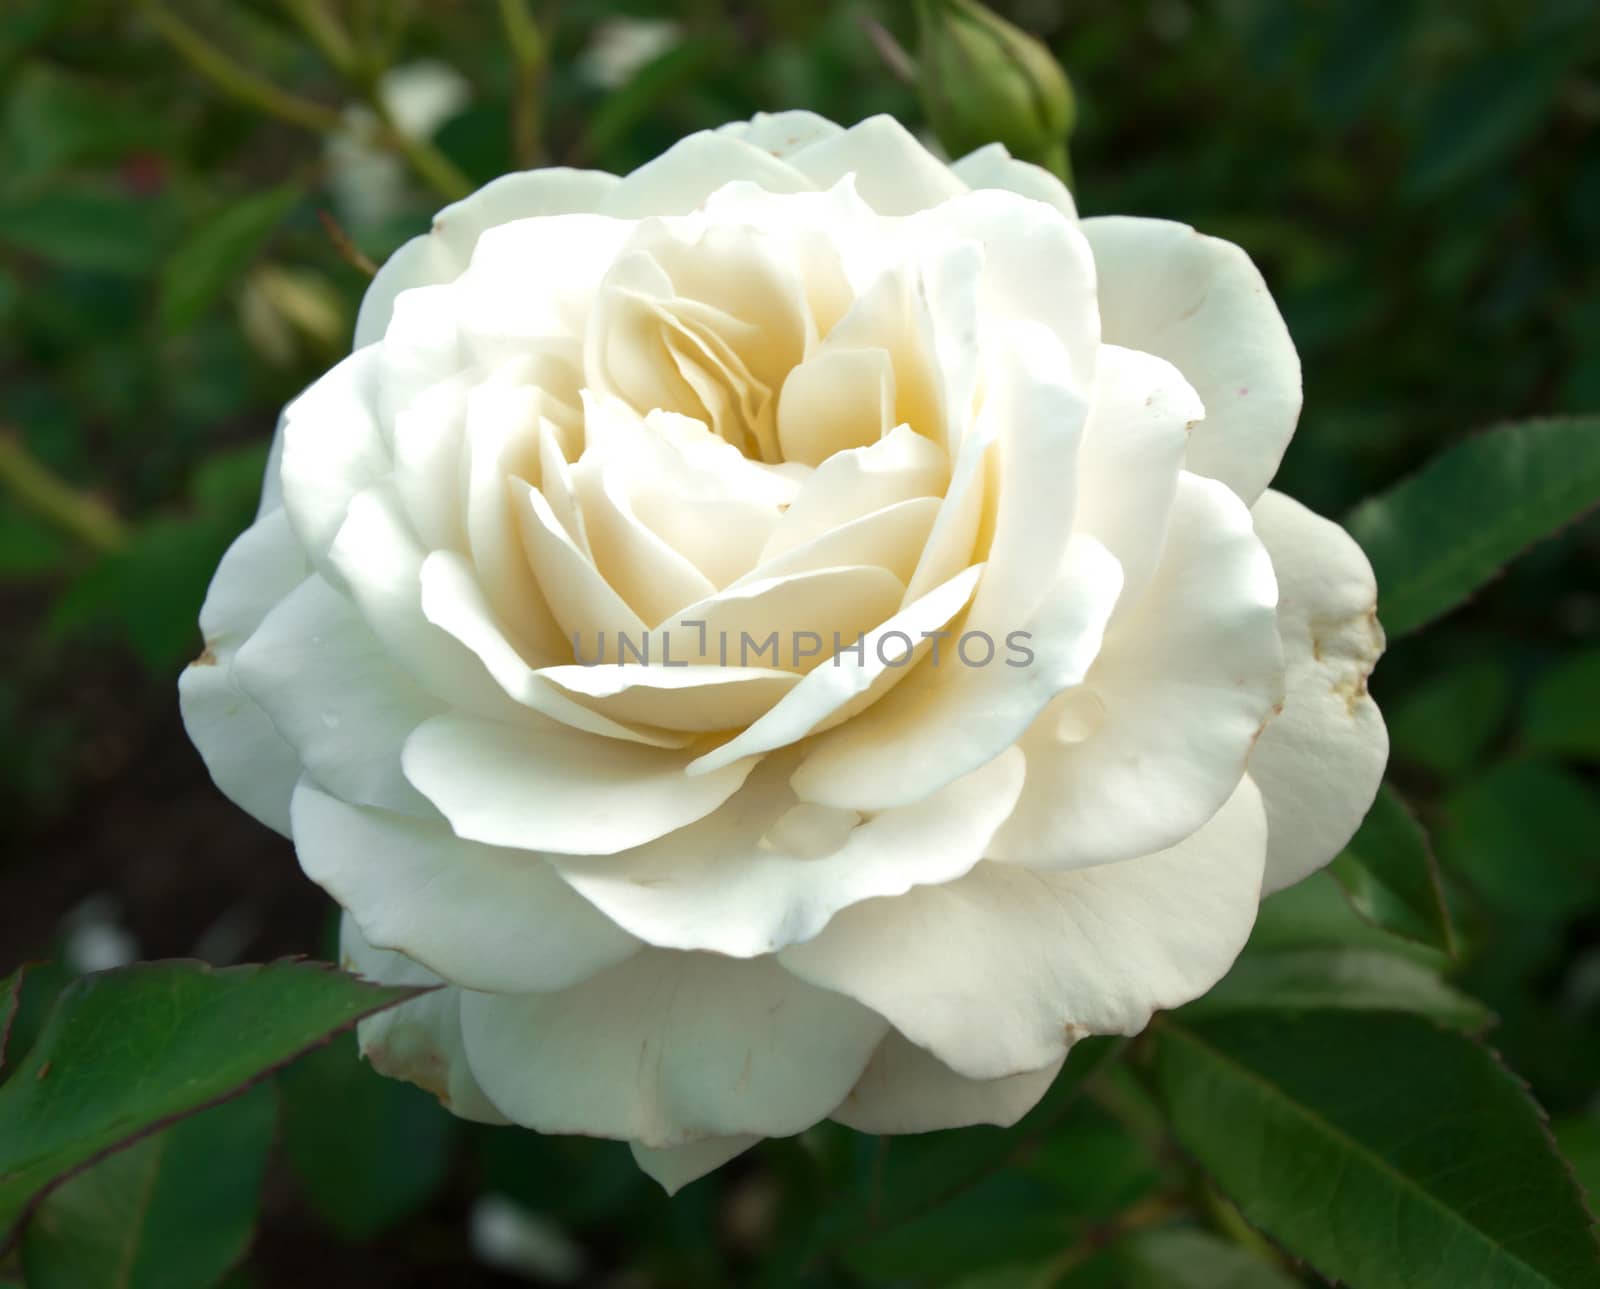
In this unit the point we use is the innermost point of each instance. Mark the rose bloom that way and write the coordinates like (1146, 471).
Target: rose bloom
(792, 379)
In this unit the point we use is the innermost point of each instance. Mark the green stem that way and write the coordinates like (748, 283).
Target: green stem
(83, 517)
(528, 64)
(1155, 1210)
(364, 74)
(431, 166)
(237, 81)
(326, 33)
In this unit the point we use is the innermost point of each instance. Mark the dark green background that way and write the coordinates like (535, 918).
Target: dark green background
(1420, 182)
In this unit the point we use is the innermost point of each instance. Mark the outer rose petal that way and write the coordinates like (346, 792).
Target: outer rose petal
(895, 174)
(332, 449)
(905, 1089)
(1319, 763)
(246, 755)
(992, 166)
(316, 669)
(1157, 737)
(482, 917)
(1201, 304)
(668, 1048)
(783, 133)
(442, 254)
(1132, 455)
(419, 1041)
(1001, 972)
(674, 1167)
(688, 172)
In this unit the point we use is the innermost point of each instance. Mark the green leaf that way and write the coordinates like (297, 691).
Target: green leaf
(125, 1052)
(367, 1151)
(1389, 875)
(172, 1211)
(208, 262)
(1446, 724)
(1345, 978)
(1181, 1258)
(53, 120)
(10, 1002)
(151, 590)
(1387, 1152)
(1316, 913)
(618, 115)
(1562, 715)
(86, 230)
(1579, 1139)
(1438, 536)
(1524, 835)
(909, 1184)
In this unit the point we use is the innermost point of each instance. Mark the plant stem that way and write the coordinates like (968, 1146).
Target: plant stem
(1148, 1212)
(430, 165)
(233, 79)
(364, 75)
(79, 515)
(326, 33)
(528, 63)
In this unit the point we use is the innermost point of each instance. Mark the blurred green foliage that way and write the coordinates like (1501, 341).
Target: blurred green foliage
(1420, 182)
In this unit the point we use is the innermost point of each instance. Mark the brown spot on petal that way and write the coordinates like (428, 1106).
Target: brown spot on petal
(429, 1072)
(1073, 1031)
(206, 658)
(1277, 711)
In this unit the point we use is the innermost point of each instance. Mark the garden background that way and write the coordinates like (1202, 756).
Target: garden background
(1420, 183)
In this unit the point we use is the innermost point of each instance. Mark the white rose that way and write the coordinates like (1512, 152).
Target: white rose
(791, 378)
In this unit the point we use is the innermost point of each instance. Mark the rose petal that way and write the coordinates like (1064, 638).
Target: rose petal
(787, 622)
(1016, 237)
(698, 699)
(1320, 761)
(443, 253)
(247, 757)
(503, 444)
(480, 916)
(899, 467)
(379, 558)
(894, 173)
(333, 449)
(782, 133)
(549, 787)
(892, 539)
(325, 681)
(668, 1048)
(1133, 449)
(952, 715)
(453, 601)
(419, 1041)
(843, 683)
(1001, 972)
(682, 177)
(743, 881)
(591, 614)
(1202, 305)
(674, 1167)
(906, 1089)
(991, 166)
(838, 400)
(1157, 737)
